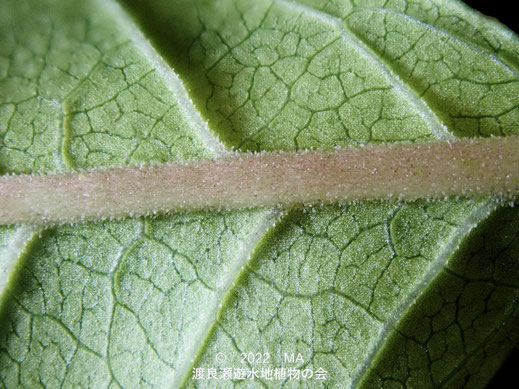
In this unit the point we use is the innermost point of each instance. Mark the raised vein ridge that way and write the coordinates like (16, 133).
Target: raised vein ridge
(435, 125)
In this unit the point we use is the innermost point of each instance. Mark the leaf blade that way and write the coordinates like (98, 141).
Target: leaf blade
(370, 233)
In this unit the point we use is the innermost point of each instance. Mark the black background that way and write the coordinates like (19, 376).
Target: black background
(505, 12)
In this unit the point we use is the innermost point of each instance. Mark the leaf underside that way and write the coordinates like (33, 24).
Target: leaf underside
(392, 295)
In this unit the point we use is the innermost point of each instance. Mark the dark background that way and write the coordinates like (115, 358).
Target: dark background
(504, 11)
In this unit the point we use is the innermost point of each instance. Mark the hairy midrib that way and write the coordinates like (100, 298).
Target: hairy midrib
(463, 168)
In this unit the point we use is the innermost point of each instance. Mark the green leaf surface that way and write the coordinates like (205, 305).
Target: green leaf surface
(378, 294)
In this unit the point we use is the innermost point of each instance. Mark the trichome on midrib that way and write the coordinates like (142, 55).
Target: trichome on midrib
(463, 168)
